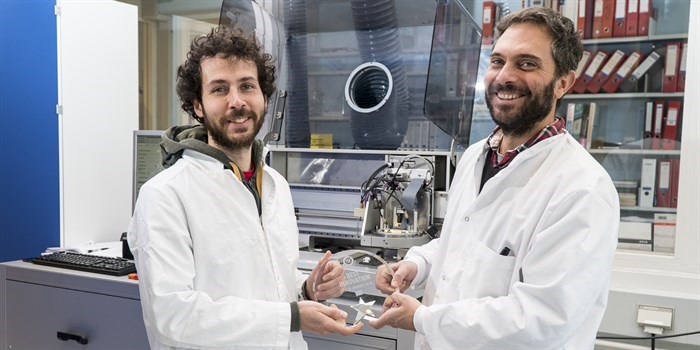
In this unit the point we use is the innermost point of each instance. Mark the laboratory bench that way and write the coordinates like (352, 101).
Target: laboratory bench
(37, 303)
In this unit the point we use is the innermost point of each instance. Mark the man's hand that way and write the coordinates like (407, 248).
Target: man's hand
(327, 279)
(403, 274)
(323, 320)
(398, 311)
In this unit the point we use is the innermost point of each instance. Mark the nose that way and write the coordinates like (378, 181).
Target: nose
(235, 100)
(507, 74)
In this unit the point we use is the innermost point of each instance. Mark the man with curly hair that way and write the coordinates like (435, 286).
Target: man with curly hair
(214, 235)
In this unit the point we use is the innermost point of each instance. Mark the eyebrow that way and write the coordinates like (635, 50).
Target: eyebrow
(247, 78)
(215, 82)
(520, 57)
(224, 81)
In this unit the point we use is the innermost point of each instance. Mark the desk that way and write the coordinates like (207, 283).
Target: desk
(38, 301)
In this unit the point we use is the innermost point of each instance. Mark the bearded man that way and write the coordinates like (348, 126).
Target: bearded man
(530, 231)
(214, 235)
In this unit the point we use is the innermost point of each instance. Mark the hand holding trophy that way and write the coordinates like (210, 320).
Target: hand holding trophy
(328, 279)
(325, 281)
(397, 277)
(354, 281)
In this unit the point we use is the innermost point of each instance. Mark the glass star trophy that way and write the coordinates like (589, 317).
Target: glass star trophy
(360, 278)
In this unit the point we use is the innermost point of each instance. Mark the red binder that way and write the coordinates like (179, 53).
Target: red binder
(663, 184)
(672, 60)
(645, 9)
(623, 72)
(585, 18)
(632, 19)
(590, 71)
(657, 124)
(603, 18)
(681, 69)
(670, 128)
(604, 74)
(582, 65)
(675, 171)
(487, 22)
(620, 28)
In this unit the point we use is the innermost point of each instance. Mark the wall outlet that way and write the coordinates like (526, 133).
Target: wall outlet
(655, 319)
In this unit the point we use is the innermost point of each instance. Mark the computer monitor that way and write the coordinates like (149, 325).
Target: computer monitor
(147, 159)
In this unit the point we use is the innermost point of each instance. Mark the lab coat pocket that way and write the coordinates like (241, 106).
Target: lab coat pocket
(487, 273)
(283, 233)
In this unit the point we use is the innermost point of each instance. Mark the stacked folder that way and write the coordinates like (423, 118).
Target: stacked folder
(619, 71)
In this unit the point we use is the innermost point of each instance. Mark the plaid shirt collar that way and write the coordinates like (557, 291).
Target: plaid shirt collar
(494, 141)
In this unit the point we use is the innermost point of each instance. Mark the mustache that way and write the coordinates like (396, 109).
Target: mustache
(242, 113)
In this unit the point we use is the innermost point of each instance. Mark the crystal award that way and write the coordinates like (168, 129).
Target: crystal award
(360, 279)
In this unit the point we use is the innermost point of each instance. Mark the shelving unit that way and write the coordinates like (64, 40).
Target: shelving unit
(620, 140)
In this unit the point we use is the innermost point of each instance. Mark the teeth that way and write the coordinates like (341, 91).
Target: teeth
(240, 119)
(507, 96)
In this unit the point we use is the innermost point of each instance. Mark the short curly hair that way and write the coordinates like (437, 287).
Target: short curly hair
(227, 42)
(567, 47)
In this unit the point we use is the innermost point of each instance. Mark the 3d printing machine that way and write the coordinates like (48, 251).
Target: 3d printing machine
(374, 105)
(376, 102)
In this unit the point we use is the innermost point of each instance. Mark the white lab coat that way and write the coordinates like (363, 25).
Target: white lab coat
(211, 275)
(557, 211)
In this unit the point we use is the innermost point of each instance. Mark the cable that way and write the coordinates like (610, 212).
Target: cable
(372, 177)
(391, 194)
(416, 156)
(648, 338)
(653, 337)
(368, 185)
(384, 175)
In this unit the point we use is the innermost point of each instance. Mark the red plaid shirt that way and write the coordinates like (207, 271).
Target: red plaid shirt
(494, 142)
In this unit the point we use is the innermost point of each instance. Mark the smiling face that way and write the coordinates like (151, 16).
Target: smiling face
(233, 105)
(521, 86)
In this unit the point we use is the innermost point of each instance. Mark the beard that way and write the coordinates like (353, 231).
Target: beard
(242, 138)
(519, 122)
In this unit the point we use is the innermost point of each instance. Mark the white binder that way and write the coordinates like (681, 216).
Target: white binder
(647, 183)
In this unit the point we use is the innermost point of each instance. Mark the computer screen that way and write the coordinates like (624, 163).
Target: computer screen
(147, 159)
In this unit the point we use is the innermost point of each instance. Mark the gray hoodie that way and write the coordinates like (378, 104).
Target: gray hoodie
(194, 137)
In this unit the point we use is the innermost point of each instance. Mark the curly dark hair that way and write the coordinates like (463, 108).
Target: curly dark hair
(567, 47)
(228, 42)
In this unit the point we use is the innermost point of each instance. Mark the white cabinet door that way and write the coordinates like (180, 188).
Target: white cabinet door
(98, 94)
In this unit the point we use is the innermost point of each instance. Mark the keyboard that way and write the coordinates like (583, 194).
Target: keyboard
(89, 263)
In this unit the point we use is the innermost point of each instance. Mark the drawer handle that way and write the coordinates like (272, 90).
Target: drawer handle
(67, 336)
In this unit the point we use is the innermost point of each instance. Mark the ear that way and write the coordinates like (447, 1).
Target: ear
(564, 84)
(198, 108)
